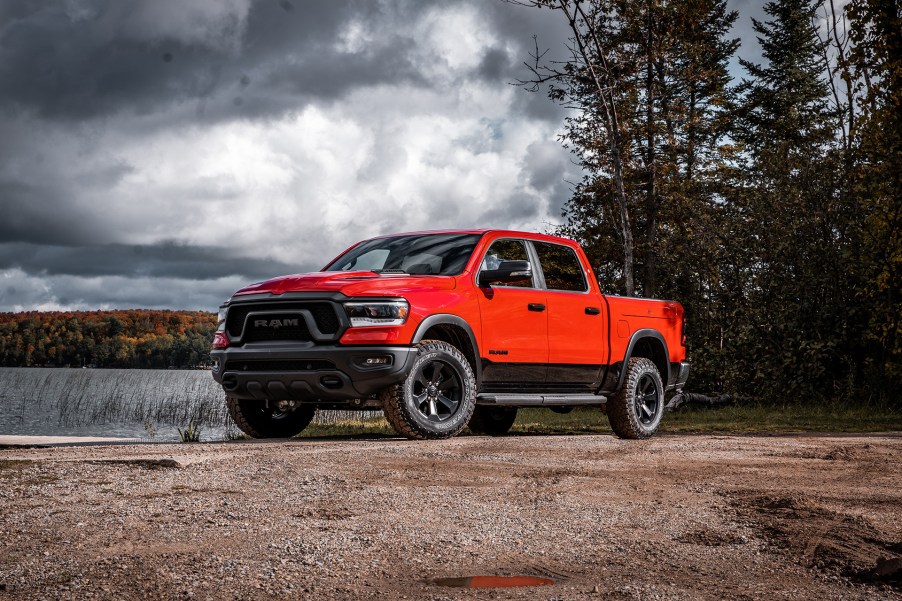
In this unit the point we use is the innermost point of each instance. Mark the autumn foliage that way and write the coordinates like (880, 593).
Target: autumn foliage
(134, 338)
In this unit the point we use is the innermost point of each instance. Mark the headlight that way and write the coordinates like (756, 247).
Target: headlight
(221, 318)
(381, 313)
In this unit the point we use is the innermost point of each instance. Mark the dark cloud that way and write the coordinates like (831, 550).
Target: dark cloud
(101, 61)
(166, 260)
(312, 76)
(73, 65)
(38, 213)
(54, 293)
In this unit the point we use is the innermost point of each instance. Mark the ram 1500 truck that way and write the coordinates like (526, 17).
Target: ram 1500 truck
(445, 330)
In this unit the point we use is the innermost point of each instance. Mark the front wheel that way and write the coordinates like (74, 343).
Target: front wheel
(276, 419)
(437, 398)
(636, 410)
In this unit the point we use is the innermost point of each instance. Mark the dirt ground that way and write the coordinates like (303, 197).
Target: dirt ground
(676, 517)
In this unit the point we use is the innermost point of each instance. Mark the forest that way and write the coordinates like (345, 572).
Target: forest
(764, 196)
(134, 338)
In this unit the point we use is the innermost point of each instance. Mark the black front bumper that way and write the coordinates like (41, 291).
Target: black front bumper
(309, 372)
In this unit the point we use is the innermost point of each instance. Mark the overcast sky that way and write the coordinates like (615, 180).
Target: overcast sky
(163, 153)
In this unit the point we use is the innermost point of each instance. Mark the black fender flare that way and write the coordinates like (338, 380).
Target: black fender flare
(634, 339)
(453, 320)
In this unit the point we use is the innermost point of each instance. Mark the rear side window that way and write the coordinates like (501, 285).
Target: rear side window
(561, 267)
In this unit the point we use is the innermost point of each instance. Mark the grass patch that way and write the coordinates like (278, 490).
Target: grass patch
(191, 433)
(350, 427)
(805, 417)
(748, 418)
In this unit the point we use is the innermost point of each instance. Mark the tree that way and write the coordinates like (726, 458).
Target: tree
(591, 82)
(796, 228)
(876, 63)
(649, 85)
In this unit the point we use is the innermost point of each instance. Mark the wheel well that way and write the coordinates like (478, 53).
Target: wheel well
(652, 348)
(457, 337)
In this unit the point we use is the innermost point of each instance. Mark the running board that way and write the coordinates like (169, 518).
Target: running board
(540, 400)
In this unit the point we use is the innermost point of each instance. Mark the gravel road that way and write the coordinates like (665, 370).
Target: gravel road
(676, 517)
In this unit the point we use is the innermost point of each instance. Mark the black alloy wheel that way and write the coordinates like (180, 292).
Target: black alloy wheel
(273, 419)
(647, 393)
(636, 409)
(492, 421)
(437, 390)
(438, 396)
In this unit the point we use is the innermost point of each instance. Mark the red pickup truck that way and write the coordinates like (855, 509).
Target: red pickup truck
(445, 330)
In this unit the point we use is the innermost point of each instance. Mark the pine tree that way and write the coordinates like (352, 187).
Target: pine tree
(791, 316)
(876, 30)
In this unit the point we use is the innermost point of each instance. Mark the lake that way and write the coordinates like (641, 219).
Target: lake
(132, 403)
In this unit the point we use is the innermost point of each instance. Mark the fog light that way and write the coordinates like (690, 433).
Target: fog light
(377, 361)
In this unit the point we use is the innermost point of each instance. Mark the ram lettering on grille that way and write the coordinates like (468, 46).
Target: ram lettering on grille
(275, 323)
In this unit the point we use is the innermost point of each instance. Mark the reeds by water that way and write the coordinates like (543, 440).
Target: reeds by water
(79, 397)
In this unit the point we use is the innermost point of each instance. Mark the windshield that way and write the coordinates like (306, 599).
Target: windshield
(429, 254)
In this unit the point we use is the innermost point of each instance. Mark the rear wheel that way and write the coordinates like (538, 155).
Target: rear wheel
(277, 419)
(437, 398)
(492, 421)
(635, 411)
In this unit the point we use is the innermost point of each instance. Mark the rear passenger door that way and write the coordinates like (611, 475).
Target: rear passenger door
(577, 323)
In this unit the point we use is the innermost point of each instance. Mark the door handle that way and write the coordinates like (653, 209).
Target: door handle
(592, 310)
(536, 307)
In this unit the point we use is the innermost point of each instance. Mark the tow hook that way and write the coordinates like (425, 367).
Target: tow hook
(286, 405)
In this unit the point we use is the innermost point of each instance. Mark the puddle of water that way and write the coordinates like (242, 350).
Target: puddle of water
(493, 581)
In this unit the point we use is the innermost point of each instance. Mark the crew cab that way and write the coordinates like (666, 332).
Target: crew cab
(447, 330)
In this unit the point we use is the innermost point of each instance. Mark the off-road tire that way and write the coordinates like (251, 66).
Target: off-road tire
(492, 421)
(407, 406)
(635, 410)
(256, 420)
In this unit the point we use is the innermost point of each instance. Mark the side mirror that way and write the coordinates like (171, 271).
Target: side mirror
(508, 272)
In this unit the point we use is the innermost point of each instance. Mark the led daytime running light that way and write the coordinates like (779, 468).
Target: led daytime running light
(384, 313)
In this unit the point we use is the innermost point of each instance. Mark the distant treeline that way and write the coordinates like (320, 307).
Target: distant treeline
(135, 338)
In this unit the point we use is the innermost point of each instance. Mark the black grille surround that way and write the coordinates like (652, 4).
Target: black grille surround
(268, 319)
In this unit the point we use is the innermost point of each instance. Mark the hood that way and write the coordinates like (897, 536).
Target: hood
(349, 283)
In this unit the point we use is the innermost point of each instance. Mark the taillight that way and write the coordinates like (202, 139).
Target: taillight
(220, 340)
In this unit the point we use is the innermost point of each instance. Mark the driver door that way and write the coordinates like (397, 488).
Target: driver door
(514, 322)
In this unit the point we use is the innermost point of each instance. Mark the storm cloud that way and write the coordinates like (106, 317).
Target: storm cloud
(160, 153)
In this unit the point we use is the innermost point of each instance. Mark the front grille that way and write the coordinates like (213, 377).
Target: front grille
(324, 315)
(278, 365)
(261, 333)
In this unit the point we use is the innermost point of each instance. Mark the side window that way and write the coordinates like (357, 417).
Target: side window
(561, 267)
(506, 250)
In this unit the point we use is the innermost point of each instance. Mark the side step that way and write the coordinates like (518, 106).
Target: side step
(539, 400)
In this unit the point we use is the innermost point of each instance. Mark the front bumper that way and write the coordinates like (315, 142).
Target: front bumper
(309, 372)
